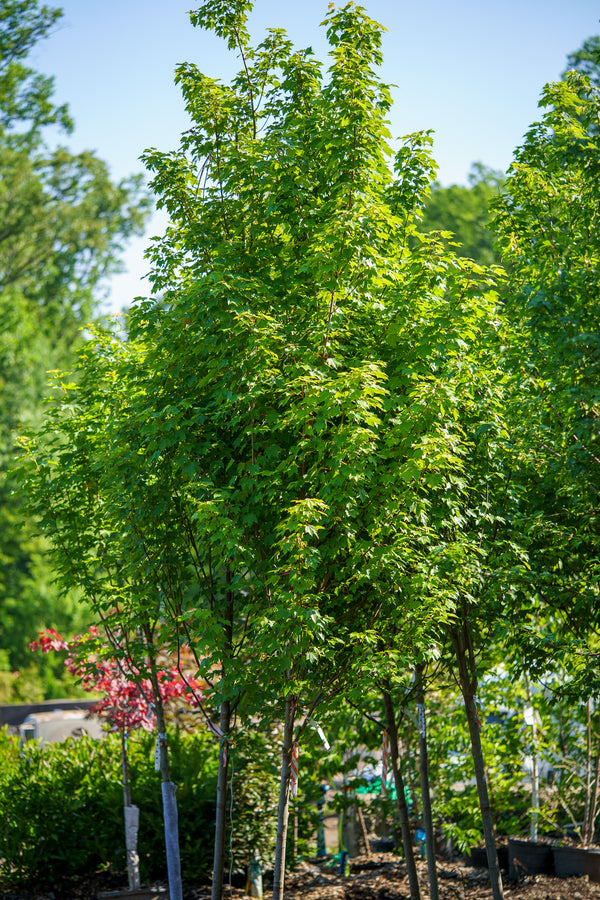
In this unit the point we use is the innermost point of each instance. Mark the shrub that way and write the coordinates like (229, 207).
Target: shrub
(61, 807)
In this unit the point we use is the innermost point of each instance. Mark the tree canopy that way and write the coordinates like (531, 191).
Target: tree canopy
(335, 446)
(548, 223)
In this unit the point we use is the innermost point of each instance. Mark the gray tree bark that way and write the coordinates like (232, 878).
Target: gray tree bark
(169, 808)
(284, 799)
(225, 727)
(131, 817)
(168, 788)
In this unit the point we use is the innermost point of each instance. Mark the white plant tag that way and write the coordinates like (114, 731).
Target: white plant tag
(324, 740)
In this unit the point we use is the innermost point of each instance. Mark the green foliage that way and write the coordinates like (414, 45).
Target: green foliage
(465, 212)
(297, 463)
(504, 741)
(62, 807)
(548, 222)
(193, 760)
(571, 748)
(254, 786)
(292, 427)
(26, 103)
(586, 60)
(294, 464)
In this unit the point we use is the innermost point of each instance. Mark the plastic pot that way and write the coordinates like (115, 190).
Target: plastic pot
(529, 858)
(577, 861)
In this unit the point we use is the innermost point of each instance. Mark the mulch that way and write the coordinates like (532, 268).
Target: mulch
(380, 877)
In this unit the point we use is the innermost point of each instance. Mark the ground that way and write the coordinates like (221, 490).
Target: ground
(384, 878)
(380, 877)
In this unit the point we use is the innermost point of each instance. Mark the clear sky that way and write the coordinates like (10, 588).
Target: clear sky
(471, 70)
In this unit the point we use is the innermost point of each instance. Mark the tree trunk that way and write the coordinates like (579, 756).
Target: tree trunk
(425, 793)
(585, 831)
(535, 791)
(413, 879)
(224, 726)
(168, 788)
(169, 808)
(535, 771)
(284, 798)
(461, 640)
(321, 846)
(131, 816)
(363, 829)
(295, 836)
(221, 812)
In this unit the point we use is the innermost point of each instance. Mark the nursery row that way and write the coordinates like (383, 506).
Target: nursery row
(61, 806)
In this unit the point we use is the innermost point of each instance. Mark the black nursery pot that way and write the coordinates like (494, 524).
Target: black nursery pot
(503, 857)
(478, 857)
(577, 861)
(529, 858)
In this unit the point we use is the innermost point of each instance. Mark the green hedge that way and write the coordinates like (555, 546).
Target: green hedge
(61, 807)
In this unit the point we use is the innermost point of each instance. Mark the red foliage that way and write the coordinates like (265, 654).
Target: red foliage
(127, 701)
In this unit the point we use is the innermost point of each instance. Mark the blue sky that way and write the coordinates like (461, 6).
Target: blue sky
(471, 70)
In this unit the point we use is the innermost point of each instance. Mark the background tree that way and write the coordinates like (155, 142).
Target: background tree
(548, 221)
(465, 211)
(586, 60)
(64, 222)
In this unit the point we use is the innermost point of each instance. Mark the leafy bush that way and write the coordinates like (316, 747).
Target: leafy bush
(61, 807)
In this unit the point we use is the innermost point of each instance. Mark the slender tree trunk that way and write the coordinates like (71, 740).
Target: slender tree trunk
(461, 640)
(363, 829)
(221, 812)
(588, 776)
(225, 727)
(535, 773)
(425, 793)
(591, 789)
(413, 879)
(535, 791)
(125, 770)
(169, 807)
(284, 798)
(409, 781)
(295, 836)
(321, 846)
(168, 788)
(131, 816)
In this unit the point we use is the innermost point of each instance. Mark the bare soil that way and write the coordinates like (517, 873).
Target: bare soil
(380, 877)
